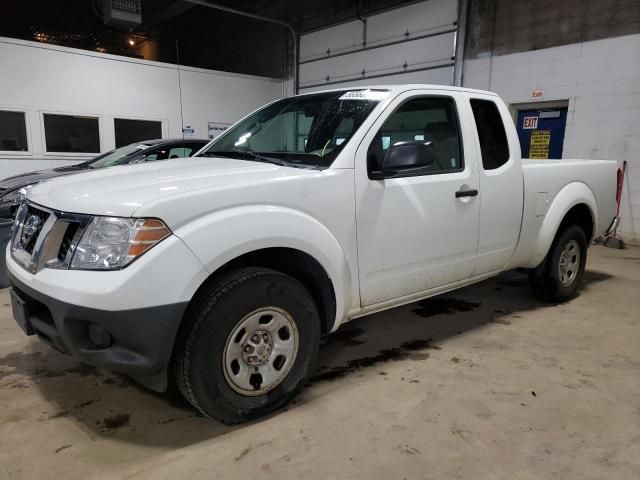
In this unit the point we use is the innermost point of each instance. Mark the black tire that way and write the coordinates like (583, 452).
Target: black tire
(200, 348)
(546, 281)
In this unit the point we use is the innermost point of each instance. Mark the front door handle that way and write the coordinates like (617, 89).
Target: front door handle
(466, 193)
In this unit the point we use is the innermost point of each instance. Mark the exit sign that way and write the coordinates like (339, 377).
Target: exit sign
(530, 123)
(537, 93)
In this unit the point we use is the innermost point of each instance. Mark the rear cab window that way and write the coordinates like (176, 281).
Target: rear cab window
(494, 146)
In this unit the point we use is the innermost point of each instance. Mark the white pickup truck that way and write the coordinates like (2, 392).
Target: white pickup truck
(225, 269)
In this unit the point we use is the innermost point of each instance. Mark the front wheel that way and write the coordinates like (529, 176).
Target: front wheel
(562, 272)
(248, 346)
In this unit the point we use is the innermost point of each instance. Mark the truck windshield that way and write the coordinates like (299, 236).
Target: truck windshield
(305, 131)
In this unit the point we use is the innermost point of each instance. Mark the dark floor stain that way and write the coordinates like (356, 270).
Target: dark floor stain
(63, 447)
(344, 337)
(168, 420)
(243, 454)
(455, 360)
(417, 357)
(513, 282)
(34, 364)
(420, 345)
(19, 386)
(82, 405)
(60, 414)
(443, 306)
(502, 321)
(19, 363)
(121, 381)
(533, 393)
(382, 373)
(595, 277)
(406, 351)
(414, 381)
(116, 421)
(408, 450)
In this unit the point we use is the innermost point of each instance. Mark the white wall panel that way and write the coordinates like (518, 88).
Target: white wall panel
(601, 81)
(335, 57)
(40, 78)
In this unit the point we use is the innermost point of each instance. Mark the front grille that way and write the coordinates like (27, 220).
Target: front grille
(38, 219)
(45, 238)
(67, 240)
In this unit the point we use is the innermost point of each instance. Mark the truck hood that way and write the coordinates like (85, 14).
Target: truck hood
(120, 190)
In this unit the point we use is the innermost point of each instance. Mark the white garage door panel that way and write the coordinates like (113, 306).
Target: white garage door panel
(424, 53)
(416, 39)
(440, 76)
(338, 39)
(419, 19)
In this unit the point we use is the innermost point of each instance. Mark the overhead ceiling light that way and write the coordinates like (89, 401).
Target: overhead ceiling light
(132, 42)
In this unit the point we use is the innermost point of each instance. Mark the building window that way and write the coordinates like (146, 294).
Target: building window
(131, 131)
(71, 133)
(13, 132)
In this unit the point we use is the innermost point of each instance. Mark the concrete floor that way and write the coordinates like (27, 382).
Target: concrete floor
(485, 382)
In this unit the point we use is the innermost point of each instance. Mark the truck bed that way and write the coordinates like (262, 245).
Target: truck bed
(551, 188)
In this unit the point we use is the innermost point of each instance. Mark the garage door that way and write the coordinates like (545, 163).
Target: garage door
(414, 44)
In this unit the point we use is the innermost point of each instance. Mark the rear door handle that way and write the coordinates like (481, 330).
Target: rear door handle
(466, 193)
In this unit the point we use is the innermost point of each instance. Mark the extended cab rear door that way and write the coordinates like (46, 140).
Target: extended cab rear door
(501, 185)
(418, 230)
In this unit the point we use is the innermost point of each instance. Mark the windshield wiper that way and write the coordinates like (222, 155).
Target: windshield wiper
(248, 155)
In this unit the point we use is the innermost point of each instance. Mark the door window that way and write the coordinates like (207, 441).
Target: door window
(493, 138)
(426, 119)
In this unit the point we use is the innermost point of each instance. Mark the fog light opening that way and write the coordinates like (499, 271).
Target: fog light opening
(98, 336)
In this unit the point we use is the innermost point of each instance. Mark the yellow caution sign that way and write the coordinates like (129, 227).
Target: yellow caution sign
(539, 144)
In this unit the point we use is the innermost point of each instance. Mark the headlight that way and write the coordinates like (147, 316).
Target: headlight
(111, 243)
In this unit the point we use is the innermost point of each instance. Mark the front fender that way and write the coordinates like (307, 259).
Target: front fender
(224, 235)
(573, 194)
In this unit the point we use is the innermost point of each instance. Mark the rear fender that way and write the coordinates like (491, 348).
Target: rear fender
(573, 194)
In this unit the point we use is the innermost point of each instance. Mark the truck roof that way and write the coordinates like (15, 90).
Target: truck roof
(404, 88)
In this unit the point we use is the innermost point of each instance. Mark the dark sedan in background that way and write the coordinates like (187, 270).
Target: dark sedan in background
(145, 151)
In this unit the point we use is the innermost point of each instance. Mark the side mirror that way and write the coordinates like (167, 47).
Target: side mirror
(406, 157)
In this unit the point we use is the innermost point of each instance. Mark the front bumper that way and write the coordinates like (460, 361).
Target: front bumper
(140, 341)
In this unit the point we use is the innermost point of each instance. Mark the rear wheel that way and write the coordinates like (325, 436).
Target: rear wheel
(561, 275)
(248, 347)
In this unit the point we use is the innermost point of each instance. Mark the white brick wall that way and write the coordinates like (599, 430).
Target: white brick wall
(601, 80)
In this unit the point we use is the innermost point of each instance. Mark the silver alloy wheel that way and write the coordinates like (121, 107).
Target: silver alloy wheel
(260, 351)
(569, 263)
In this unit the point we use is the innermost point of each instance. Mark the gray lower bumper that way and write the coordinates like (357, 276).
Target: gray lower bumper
(140, 340)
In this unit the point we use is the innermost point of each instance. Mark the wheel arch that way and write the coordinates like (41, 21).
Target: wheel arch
(574, 204)
(290, 261)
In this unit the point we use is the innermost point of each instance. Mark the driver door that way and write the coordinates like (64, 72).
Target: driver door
(415, 231)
